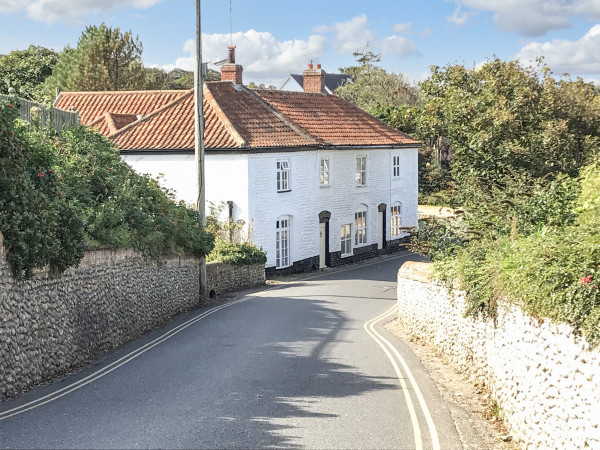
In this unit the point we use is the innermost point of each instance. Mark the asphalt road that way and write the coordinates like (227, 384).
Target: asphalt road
(299, 364)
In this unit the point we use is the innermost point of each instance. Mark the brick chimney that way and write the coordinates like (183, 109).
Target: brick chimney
(313, 79)
(231, 71)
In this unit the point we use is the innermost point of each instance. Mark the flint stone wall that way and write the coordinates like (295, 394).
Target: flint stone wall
(51, 325)
(545, 379)
(222, 278)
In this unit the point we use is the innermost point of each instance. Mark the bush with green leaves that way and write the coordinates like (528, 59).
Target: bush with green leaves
(59, 196)
(40, 227)
(232, 241)
(551, 268)
(237, 254)
(122, 209)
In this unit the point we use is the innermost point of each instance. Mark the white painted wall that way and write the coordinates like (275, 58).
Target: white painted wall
(176, 172)
(226, 177)
(249, 180)
(342, 198)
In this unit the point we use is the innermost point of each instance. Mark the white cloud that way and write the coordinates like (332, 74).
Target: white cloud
(426, 32)
(349, 36)
(10, 6)
(399, 46)
(528, 17)
(402, 28)
(71, 11)
(459, 19)
(561, 55)
(264, 58)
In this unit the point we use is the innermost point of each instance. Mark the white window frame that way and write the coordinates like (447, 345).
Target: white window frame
(283, 242)
(324, 171)
(396, 166)
(360, 228)
(396, 220)
(346, 239)
(284, 175)
(361, 170)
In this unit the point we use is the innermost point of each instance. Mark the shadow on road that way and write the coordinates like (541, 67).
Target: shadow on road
(257, 374)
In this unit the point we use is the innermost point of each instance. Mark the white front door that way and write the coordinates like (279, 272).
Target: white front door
(380, 236)
(322, 245)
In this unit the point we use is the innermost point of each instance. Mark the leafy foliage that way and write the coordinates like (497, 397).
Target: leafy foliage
(39, 226)
(551, 267)
(518, 139)
(26, 70)
(237, 254)
(105, 59)
(373, 87)
(232, 242)
(60, 196)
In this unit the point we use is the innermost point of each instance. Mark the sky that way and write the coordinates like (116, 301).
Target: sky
(274, 38)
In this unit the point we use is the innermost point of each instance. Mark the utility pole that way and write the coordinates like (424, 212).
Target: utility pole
(199, 142)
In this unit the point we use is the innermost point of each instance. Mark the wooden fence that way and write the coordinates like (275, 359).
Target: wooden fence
(47, 116)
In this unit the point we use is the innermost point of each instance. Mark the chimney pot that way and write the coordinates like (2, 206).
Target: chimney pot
(313, 80)
(231, 71)
(231, 49)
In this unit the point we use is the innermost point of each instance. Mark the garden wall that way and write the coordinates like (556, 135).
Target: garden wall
(545, 379)
(51, 325)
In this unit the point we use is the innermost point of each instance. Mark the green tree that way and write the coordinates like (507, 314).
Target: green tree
(372, 87)
(175, 79)
(26, 70)
(509, 126)
(105, 59)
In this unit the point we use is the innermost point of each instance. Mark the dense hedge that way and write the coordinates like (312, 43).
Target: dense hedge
(551, 270)
(60, 196)
(237, 254)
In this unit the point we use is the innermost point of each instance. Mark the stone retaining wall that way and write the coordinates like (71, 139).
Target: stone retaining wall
(51, 325)
(224, 278)
(545, 379)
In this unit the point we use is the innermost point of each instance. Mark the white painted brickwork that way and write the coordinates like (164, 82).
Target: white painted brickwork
(341, 198)
(545, 379)
(249, 180)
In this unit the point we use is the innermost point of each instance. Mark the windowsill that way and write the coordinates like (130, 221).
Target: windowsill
(283, 267)
(326, 186)
(281, 192)
(361, 185)
(346, 255)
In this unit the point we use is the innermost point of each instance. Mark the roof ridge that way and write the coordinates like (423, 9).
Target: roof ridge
(148, 91)
(237, 137)
(152, 114)
(110, 122)
(294, 126)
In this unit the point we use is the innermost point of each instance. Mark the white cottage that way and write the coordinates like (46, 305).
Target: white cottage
(319, 181)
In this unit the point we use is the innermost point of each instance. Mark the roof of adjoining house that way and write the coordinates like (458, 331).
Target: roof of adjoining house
(235, 118)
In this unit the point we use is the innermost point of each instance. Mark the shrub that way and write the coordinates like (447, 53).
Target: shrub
(552, 272)
(237, 254)
(39, 226)
(59, 196)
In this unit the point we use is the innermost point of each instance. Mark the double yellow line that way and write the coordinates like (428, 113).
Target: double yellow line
(116, 364)
(395, 358)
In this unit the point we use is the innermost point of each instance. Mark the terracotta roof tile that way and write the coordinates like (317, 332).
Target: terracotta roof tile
(92, 105)
(333, 120)
(235, 117)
